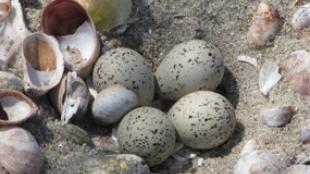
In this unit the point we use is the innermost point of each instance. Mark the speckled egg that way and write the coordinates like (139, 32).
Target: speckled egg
(188, 67)
(203, 119)
(147, 132)
(128, 68)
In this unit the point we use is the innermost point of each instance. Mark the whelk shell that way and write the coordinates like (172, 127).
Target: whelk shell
(15, 107)
(19, 151)
(10, 81)
(77, 35)
(278, 116)
(297, 71)
(43, 64)
(5, 8)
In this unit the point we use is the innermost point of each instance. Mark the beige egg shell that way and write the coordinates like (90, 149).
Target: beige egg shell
(188, 67)
(128, 68)
(203, 119)
(147, 132)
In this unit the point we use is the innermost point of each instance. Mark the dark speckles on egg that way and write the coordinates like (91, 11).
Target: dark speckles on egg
(207, 121)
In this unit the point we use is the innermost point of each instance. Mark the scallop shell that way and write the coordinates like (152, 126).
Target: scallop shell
(268, 77)
(278, 116)
(266, 23)
(15, 107)
(297, 169)
(297, 71)
(10, 81)
(43, 64)
(19, 151)
(5, 8)
(77, 35)
(301, 18)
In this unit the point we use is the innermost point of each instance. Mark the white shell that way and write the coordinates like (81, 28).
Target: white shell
(5, 8)
(248, 59)
(254, 161)
(298, 169)
(43, 64)
(15, 107)
(112, 104)
(10, 81)
(77, 35)
(19, 151)
(188, 67)
(266, 23)
(278, 116)
(301, 18)
(76, 98)
(268, 77)
(304, 136)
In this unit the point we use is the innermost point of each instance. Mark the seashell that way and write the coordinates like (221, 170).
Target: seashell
(301, 18)
(10, 81)
(254, 161)
(5, 8)
(77, 35)
(15, 107)
(43, 64)
(248, 59)
(304, 136)
(12, 33)
(108, 14)
(112, 104)
(297, 71)
(73, 97)
(268, 77)
(266, 23)
(278, 116)
(297, 169)
(19, 151)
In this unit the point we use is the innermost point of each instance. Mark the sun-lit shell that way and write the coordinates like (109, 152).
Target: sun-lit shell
(15, 107)
(43, 64)
(5, 8)
(19, 151)
(266, 23)
(298, 169)
(74, 29)
(268, 77)
(10, 81)
(297, 71)
(301, 18)
(278, 116)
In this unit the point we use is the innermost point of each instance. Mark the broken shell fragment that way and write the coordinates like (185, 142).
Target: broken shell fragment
(10, 81)
(297, 169)
(297, 71)
(254, 161)
(268, 77)
(15, 107)
(266, 23)
(301, 18)
(19, 151)
(43, 64)
(75, 99)
(278, 116)
(5, 8)
(112, 104)
(304, 136)
(77, 35)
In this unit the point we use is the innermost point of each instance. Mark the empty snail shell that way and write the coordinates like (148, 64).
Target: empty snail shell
(15, 107)
(77, 35)
(266, 23)
(43, 64)
(19, 151)
(70, 97)
(10, 81)
(5, 8)
(112, 104)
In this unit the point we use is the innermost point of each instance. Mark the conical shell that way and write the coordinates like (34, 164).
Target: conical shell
(10, 81)
(43, 64)
(75, 31)
(15, 107)
(19, 151)
(5, 8)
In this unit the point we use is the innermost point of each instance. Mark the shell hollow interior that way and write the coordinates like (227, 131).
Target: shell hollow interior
(43, 64)
(15, 107)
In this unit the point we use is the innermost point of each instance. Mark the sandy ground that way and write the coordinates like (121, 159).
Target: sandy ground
(164, 23)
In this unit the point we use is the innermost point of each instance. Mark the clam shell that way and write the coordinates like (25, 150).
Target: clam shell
(19, 151)
(297, 71)
(43, 64)
(268, 77)
(15, 107)
(297, 169)
(76, 98)
(301, 18)
(304, 136)
(77, 35)
(5, 8)
(278, 116)
(10, 81)
(112, 104)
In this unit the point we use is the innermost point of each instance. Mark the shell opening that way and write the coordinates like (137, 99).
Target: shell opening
(14, 109)
(63, 17)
